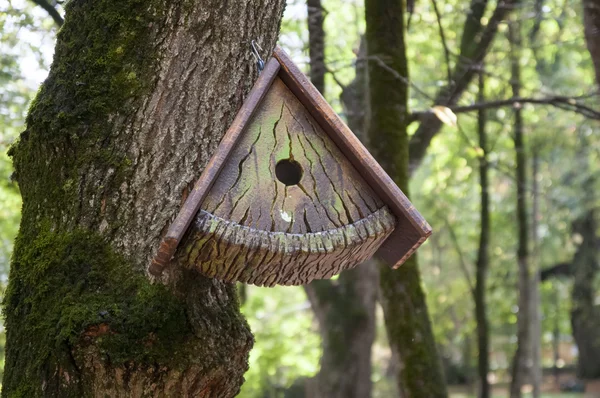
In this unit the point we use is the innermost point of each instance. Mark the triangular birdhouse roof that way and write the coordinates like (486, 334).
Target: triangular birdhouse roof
(411, 229)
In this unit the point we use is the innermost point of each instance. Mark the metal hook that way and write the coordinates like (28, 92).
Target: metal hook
(260, 63)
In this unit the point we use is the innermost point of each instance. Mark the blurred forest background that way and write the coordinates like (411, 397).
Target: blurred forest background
(509, 186)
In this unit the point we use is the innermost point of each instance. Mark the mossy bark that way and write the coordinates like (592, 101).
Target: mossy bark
(585, 315)
(345, 310)
(138, 96)
(407, 321)
(521, 367)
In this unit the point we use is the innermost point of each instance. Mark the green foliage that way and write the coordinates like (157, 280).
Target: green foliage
(287, 343)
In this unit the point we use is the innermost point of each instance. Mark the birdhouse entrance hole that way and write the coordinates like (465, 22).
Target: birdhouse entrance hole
(288, 171)
(260, 215)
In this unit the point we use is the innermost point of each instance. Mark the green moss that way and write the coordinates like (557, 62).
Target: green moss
(72, 287)
(69, 287)
(104, 64)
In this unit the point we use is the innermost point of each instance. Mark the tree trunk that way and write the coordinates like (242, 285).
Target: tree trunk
(137, 99)
(520, 367)
(346, 309)
(346, 314)
(316, 44)
(585, 315)
(536, 305)
(482, 266)
(591, 22)
(407, 321)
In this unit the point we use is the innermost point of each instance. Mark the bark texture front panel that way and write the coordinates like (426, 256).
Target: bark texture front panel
(260, 228)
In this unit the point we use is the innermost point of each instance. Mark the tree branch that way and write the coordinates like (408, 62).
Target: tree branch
(380, 62)
(557, 270)
(562, 102)
(443, 39)
(58, 19)
(473, 51)
(461, 257)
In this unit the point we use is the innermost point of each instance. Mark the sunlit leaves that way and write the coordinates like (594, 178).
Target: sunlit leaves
(287, 343)
(445, 115)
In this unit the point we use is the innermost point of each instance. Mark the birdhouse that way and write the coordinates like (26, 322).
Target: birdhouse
(290, 195)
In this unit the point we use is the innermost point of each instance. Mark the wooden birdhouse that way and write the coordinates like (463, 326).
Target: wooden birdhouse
(291, 195)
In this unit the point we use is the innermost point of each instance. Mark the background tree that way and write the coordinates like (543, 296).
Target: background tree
(407, 321)
(520, 367)
(482, 324)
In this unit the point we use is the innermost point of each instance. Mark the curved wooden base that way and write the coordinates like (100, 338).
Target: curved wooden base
(235, 253)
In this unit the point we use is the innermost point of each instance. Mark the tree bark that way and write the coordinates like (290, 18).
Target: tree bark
(591, 23)
(585, 315)
(346, 309)
(137, 99)
(346, 314)
(520, 368)
(403, 301)
(316, 44)
(536, 305)
(482, 265)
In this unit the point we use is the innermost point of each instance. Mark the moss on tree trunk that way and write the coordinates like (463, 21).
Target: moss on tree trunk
(137, 99)
(407, 321)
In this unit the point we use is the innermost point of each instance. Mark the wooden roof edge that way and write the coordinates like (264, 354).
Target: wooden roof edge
(362, 160)
(179, 226)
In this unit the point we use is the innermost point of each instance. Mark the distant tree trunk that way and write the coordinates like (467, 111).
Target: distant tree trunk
(137, 99)
(316, 44)
(346, 314)
(591, 22)
(345, 309)
(536, 316)
(520, 366)
(407, 321)
(483, 363)
(585, 315)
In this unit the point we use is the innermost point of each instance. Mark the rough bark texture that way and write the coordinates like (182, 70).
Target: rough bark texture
(138, 97)
(482, 265)
(345, 308)
(407, 321)
(585, 315)
(591, 22)
(475, 43)
(520, 367)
